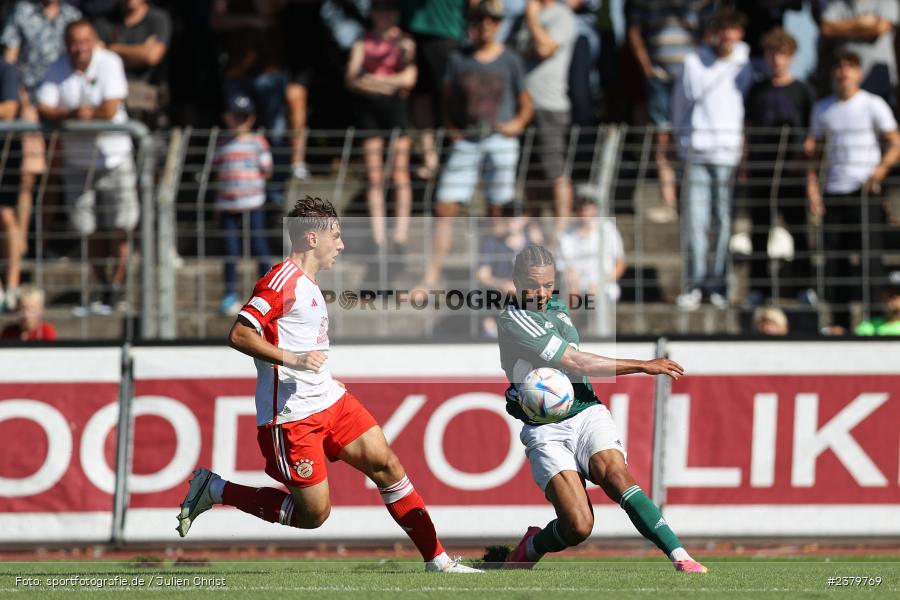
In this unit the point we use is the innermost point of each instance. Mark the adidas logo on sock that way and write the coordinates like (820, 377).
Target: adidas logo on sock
(659, 523)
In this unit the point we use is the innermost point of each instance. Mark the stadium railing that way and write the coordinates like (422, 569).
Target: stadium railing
(179, 289)
(53, 243)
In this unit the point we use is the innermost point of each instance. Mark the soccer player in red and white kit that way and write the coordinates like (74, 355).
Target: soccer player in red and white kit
(304, 415)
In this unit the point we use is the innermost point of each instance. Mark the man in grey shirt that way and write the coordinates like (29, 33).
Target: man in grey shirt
(547, 43)
(866, 28)
(486, 109)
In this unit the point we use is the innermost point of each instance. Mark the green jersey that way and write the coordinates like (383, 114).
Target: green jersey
(878, 326)
(438, 18)
(530, 339)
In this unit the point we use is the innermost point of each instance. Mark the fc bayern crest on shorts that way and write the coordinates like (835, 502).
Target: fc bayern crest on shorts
(304, 468)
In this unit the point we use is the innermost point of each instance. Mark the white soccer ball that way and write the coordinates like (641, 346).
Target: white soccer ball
(546, 395)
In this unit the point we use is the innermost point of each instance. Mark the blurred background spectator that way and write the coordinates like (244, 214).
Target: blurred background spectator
(325, 65)
(547, 43)
(251, 41)
(14, 231)
(96, 9)
(762, 17)
(583, 75)
(590, 256)
(381, 72)
(775, 169)
(770, 321)
(496, 257)
(243, 163)
(32, 38)
(141, 35)
(302, 30)
(851, 124)
(708, 109)
(889, 324)
(487, 108)
(253, 56)
(438, 27)
(88, 83)
(866, 28)
(30, 325)
(662, 35)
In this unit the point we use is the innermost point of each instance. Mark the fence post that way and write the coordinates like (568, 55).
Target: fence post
(609, 161)
(168, 189)
(346, 152)
(662, 390)
(638, 229)
(124, 440)
(865, 272)
(38, 193)
(205, 176)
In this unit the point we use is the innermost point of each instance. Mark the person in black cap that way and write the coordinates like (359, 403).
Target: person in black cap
(243, 163)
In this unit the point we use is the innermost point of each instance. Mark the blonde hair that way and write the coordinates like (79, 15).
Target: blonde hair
(771, 313)
(31, 292)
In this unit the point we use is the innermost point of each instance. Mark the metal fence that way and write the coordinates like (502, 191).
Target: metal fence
(175, 283)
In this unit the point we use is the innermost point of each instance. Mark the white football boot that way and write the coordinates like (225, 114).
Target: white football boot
(197, 501)
(444, 564)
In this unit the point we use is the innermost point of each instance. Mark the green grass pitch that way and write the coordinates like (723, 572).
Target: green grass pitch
(394, 579)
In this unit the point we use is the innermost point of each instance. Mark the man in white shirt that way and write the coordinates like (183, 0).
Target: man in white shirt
(708, 112)
(851, 122)
(590, 255)
(88, 84)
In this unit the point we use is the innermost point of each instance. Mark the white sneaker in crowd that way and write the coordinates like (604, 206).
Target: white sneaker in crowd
(689, 300)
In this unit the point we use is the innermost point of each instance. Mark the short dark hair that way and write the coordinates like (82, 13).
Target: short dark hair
(845, 55)
(310, 214)
(532, 256)
(727, 18)
(77, 24)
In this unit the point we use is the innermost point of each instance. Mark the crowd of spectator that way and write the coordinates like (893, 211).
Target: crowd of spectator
(59, 65)
(483, 71)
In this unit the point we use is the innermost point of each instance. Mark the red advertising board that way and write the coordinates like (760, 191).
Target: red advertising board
(782, 446)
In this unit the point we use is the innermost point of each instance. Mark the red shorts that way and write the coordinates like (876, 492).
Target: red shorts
(295, 452)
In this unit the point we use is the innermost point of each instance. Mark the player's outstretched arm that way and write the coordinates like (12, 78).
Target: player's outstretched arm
(244, 337)
(593, 365)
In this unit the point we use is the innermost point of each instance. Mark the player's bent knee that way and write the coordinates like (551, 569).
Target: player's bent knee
(577, 527)
(312, 519)
(389, 467)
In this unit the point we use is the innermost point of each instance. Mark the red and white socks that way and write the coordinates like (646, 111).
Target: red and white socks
(267, 504)
(403, 503)
(408, 510)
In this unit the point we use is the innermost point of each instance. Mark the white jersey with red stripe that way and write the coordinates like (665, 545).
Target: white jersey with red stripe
(288, 309)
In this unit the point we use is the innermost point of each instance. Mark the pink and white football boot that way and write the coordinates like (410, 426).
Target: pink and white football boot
(690, 566)
(518, 558)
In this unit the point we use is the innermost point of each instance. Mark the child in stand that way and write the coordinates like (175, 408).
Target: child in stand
(243, 162)
(30, 326)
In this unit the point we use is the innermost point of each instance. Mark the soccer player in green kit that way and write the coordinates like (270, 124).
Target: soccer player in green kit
(585, 444)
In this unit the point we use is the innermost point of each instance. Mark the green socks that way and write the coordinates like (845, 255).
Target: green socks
(548, 540)
(648, 520)
(643, 513)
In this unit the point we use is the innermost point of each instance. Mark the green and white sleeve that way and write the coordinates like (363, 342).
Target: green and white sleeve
(524, 331)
